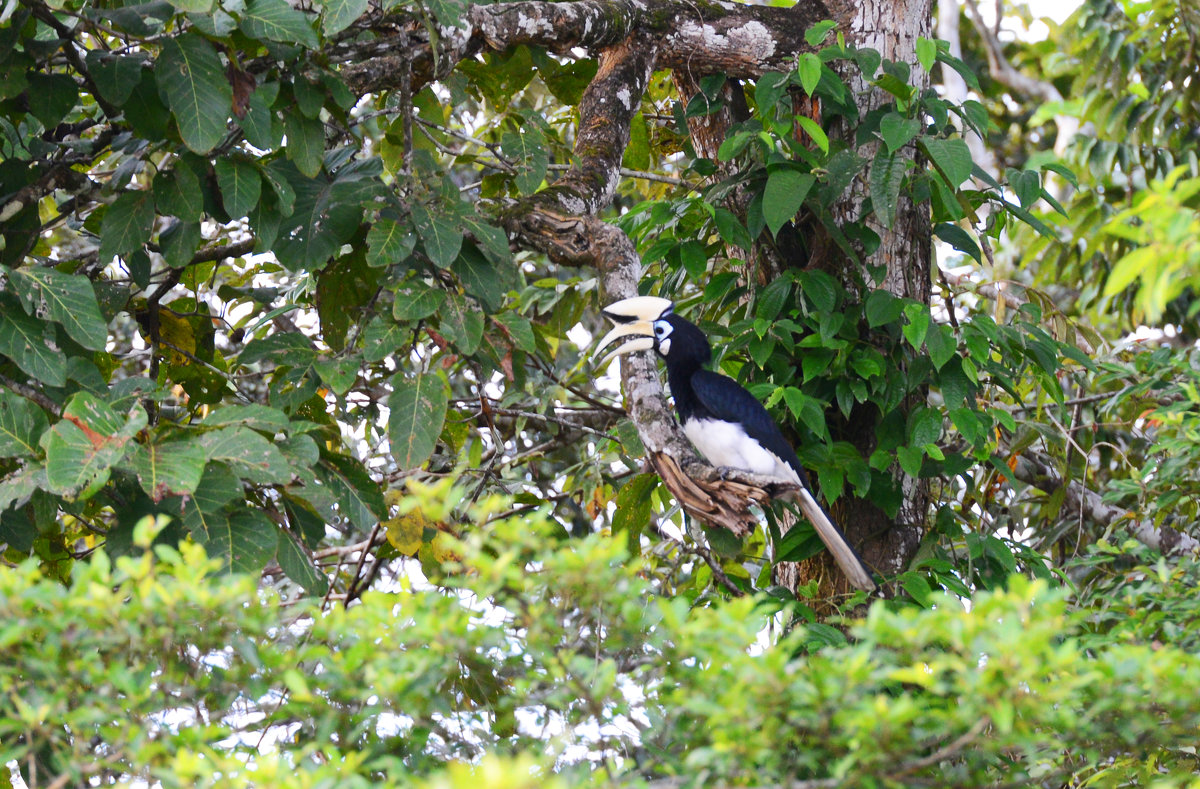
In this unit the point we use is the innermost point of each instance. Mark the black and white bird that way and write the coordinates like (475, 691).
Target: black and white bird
(729, 427)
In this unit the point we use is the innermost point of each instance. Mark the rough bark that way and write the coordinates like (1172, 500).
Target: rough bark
(740, 41)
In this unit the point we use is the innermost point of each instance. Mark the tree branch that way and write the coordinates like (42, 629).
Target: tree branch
(1037, 470)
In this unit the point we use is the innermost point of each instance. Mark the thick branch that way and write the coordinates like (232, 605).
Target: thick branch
(742, 41)
(1038, 471)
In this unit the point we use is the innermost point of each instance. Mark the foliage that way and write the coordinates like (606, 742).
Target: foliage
(558, 657)
(281, 322)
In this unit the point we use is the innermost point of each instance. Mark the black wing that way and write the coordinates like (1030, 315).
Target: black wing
(721, 397)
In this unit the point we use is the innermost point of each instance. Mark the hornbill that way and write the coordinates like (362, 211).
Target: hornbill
(723, 420)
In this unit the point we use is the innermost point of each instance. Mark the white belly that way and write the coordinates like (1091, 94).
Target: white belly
(726, 444)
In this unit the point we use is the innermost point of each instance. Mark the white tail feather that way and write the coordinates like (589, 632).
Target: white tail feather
(842, 553)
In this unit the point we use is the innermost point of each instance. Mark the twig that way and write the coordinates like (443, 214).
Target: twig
(31, 394)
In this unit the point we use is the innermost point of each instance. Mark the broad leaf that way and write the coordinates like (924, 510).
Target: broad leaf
(462, 323)
(21, 425)
(275, 20)
(198, 93)
(298, 565)
(66, 298)
(887, 173)
(951, 157)
(29, 342)
(441, 235)
(248, 455)
(388, 242)
(247, 539)
(783, 196)
(418, 411)
(83, 446)
(241, 185)
(127, 224)
(339, 14)
(168, 468)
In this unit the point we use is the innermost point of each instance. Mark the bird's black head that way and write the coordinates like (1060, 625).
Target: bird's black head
(680, 342)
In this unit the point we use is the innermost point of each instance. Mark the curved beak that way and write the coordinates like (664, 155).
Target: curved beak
(634, 318)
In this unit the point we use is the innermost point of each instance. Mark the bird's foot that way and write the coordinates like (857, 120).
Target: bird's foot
(725, 472)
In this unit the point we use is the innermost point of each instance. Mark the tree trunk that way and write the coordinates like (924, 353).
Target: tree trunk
(886, 544)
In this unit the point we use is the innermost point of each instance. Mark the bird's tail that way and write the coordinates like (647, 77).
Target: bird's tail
(831, 535)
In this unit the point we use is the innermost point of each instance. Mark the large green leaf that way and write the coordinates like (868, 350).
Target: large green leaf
(951, 157)
(783, 196)
(887, 174)
(17, 487)
(127, 224)
(83, 446)
(462, 323)
(305, 143)
(241, 185)
(440, 234)
(248, 454)
(416, 300)
(198, 93)
(66, 298)
(528, 152)
(167, 468)
(203, 511)
(358, 497)
(29, 342)
(418, 411)
(247, 540)
(275, 20)
(389, 242)
(339, 14)
(21, 425)
(298, 565)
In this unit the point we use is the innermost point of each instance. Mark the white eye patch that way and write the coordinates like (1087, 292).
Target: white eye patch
(662, 336)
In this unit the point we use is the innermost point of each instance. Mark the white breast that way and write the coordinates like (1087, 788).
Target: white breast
(726, 444)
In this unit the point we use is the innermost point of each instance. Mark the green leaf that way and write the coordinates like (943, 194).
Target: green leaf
(338, 374)
(634, 506)
(168, 468)
(462, 323)
(958, 238)
(83, 446)
(882, 307)
(910, 460)
(732, 230)
(247, 539)
(29, 342)
(298, 565)
(178, 244)
(418, 411)
(241, 185)
(528, 151)
(952, 158)
(202, 512)
(814, 131)
(808, 67)
(694, 258)
(192, 77)
(817, 33)
(115, 77)
(275, 20)
(305, 143)
(918, 324)
(248, 455)
(192, 6)
(66, 298)
(358, 496)
(887, 174)
(389, 242)
(340, 14)
(941, 343)
(896, 130)
(1027, 184)
(258, 417)
(926, 53)
(21, 425)
(51, 97)
(441, 235)
(176, 192)
(416, 300)
(784, 194)
(127, 224)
